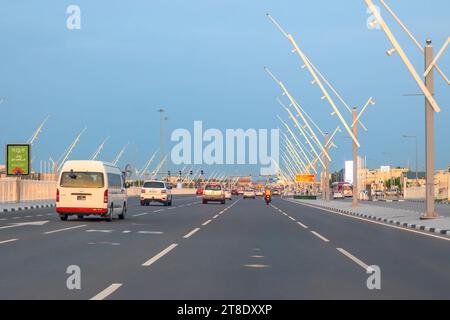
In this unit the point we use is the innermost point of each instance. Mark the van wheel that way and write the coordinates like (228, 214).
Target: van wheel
(109, 217)
(63, 217)
(142, 203)
(124, 210)
(170, 203)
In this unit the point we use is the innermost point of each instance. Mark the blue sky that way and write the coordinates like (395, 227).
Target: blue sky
(203, 60)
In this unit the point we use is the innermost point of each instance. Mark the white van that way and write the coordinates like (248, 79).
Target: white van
(91, 188)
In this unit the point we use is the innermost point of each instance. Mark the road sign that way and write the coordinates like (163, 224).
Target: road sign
(308, 178)
(18, 159)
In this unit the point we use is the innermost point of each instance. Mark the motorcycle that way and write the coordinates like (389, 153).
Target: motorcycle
(268, 199)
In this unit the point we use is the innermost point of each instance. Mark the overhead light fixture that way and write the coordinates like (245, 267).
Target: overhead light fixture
(391, 51)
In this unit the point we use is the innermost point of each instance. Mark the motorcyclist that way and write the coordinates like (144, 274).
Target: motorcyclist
(267, 195)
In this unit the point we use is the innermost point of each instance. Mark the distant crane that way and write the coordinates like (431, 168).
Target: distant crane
(69, 150)
(99, 149)
(37, 132)
(158, 167)
(147, 164)
(120, 154)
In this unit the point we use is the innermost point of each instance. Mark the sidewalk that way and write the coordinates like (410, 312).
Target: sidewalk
(387, 214)
(26, 205)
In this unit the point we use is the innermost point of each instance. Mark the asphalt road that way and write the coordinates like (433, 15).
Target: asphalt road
(241, 250)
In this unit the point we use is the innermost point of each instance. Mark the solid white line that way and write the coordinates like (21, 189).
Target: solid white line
(107, 292)
(320, 236)
(65, 229)
(374, 222)
(142, 214)
(206, 222)
(8, 241)
(150, 232)
(191, 233)
(301, 224)
(159, 255)
(353, 258)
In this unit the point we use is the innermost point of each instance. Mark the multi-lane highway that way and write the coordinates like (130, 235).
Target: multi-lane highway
(241, 250)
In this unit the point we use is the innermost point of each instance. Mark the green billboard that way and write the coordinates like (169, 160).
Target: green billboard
(18, 159)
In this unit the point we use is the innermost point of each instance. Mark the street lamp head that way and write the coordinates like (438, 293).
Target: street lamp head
(391, 51)
(429, 42)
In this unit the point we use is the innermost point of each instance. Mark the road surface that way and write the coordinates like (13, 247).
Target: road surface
(241, 250)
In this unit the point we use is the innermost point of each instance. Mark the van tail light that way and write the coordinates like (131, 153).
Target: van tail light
(105, 196)
(142, 190)
(57, 195)
(163, 191)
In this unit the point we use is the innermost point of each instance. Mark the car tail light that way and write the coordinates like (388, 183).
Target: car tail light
(105, 196)
(57, 195)
(142, 190)
(163, 191)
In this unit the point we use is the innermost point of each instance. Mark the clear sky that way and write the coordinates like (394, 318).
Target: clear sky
(203, 60)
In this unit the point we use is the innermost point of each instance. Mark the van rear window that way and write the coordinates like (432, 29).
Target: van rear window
(154, 184)
(82, 180)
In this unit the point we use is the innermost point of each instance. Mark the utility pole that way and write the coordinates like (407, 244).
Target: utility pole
(430, 212)
(355, 160)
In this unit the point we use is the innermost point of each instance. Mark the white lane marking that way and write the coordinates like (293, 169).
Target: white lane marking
(206, 222)
(142, 214)
(27, 216)
(318, 235)
(353, 258)
(256, 266)
(302, 225)
(216, 216)
(107, 292)
(257, 257)
(126, 231)
(171, 208)
(65, 229)
(101, 231)
(39, 215)
(149, 232)
(191, 233)
(8, 241)
(374, 222)
(292, 219)
(159, 255)
(15, 218)
(159, 210)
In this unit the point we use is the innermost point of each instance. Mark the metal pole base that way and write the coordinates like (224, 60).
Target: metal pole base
(429, 216)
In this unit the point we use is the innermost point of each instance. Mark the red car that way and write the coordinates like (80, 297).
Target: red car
(234, 192)
(199, 191)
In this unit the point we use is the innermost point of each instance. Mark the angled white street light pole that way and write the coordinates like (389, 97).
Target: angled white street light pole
(316, 79)
(427, 87)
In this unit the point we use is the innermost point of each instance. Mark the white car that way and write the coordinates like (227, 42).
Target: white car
(228, 194)
(156, 191)
(249, 194)
(91, 188)
(213, 192)
(338, 195)
(259, 193)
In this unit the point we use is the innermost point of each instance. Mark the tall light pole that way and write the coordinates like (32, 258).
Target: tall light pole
(161, 151)
(430, 212)
(417, 155)
(166, 141)
(355, 160)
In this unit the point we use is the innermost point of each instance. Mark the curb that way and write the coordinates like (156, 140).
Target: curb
(38, 206)
(390, 221)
